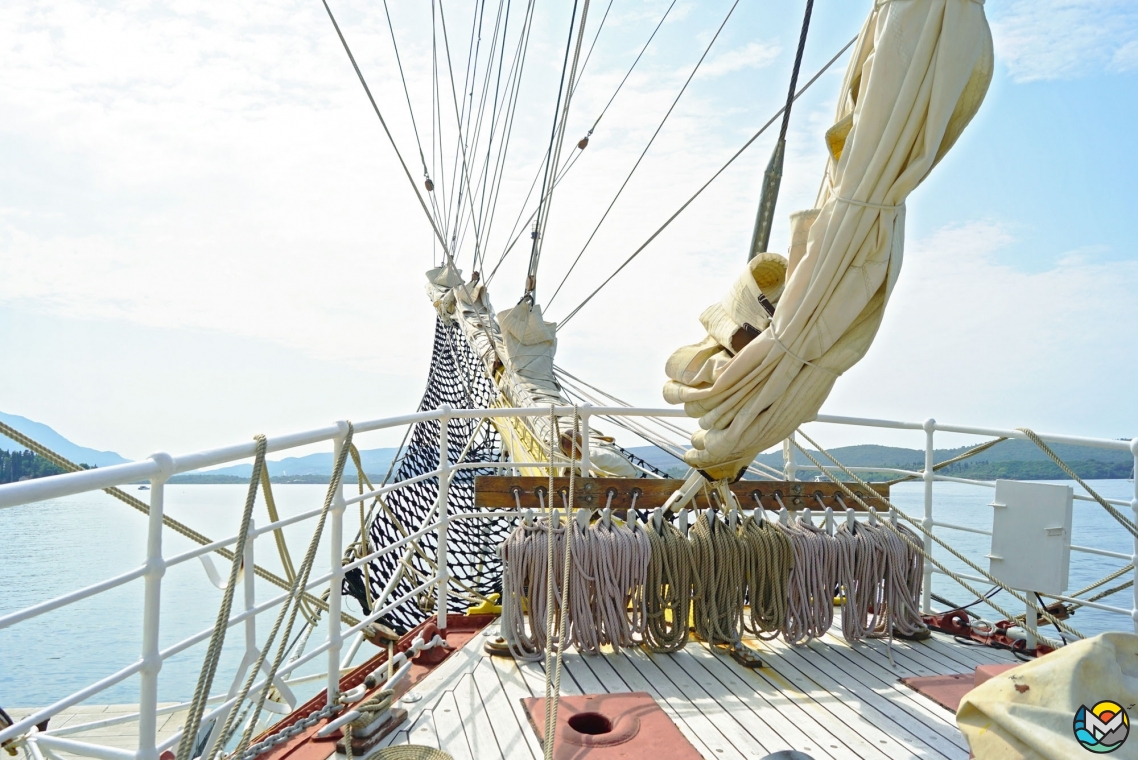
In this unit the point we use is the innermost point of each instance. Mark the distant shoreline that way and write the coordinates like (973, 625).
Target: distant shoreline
(205, 479)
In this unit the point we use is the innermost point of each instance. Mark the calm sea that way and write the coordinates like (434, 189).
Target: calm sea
(54, 547)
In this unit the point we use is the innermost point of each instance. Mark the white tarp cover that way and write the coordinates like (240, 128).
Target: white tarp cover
(919, 72)
(1031, 710)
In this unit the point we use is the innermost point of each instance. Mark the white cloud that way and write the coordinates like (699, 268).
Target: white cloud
(754, 55)
(1064, 39)
(1126, 57)
(215, 169)
(968, 340)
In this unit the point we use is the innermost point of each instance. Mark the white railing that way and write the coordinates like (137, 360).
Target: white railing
(160, 467)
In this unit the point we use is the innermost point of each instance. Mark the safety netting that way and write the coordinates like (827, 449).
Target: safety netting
(457, 379)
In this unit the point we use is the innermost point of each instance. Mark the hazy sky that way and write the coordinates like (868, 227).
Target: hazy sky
(205, 235)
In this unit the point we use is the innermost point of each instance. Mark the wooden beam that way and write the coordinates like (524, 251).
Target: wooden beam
(507, 492)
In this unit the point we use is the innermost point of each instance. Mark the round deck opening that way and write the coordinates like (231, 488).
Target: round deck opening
(591, 723)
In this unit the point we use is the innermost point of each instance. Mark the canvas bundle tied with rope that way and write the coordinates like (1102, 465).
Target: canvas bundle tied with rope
(919, 72)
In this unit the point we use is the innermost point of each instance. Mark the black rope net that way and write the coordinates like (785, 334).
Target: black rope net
(457, 379)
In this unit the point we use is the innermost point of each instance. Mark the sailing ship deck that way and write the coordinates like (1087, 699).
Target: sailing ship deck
(828, 698)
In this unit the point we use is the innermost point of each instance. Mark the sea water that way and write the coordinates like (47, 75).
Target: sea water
(54, 547)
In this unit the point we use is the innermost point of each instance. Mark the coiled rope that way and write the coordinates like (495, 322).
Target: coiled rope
(812, 582)
(369, 710)
(768, 561)
(1039, 609)
(717, 559)
(667, 588)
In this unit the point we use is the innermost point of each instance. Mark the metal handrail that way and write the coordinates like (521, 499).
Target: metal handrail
(160, 467)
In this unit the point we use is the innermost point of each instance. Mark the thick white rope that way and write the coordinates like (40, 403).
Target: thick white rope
(916, 546)
(810, 589)
(717, 558)
(768, 558)
(667, 588)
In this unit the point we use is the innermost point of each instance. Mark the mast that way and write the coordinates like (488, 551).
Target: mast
(772, 178)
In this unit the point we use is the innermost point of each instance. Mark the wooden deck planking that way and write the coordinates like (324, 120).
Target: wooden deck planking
(749, 743)
(830, 699)
(452, 730)
(789, 725)
(846, 706)
(510, 729)
(887, 685)
(443, 678)
(904, 725)
(709, 744)
(515, 689)
(422, 731)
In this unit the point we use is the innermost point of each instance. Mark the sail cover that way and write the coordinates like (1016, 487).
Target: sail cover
(918, 75)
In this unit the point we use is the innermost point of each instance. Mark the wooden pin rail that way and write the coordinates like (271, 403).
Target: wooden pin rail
(507, 492)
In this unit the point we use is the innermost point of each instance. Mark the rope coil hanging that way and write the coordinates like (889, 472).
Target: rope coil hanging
(768, 562)
(667, 588)
(717, 558)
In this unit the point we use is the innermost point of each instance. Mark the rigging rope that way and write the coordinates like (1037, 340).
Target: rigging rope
(510, 103)
(387, 131)
(553, 154)
(485, 173)
(1110, 509)
(410, 110)
(644, 152)
(772, 177)
(553, 681)
(221, 625)
(464, 176)
(959, 458)
(573, 159)
(289, 609)
(703, 187)
(167, 521)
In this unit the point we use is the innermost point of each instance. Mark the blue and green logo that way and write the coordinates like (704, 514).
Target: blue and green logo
(1102, 728)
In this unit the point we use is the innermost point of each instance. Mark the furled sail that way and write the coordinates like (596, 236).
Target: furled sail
(517, 348)
(918, 75)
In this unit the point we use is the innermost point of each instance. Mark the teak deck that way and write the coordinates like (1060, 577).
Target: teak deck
(828, 699)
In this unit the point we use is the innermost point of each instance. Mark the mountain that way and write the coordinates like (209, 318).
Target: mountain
(1013, 460)
(306, 468)
(375, 462)
(41, 433)
(868, 455)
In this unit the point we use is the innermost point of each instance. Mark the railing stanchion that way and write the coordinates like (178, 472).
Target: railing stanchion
(151, 611)
(1134, 510)
(336, 554)
(442, 514)
(927, 474)
(586, 463)
(789, 462)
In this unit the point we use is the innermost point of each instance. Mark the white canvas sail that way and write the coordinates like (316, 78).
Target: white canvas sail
(919, 73)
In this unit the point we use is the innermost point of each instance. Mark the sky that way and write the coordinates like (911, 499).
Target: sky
(204, 233)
